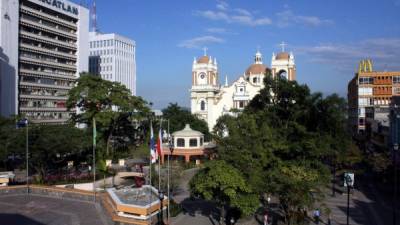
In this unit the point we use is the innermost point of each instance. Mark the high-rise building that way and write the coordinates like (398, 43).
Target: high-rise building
(370, 94)
(43, 49)
(113, 58)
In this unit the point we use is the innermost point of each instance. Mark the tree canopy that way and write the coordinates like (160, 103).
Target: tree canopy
(225, 185)
(113, 106)
(283, 140)
(179, 116)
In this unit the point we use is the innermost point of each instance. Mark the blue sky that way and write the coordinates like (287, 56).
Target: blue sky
(328, 38)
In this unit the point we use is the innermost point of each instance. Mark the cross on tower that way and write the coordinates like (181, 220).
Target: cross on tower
(283, 44)
(205, 50)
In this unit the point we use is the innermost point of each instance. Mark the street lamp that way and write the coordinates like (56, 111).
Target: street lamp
(349, 183)
(84, 94)
(24, 123)
(161, 197)
(395, 152)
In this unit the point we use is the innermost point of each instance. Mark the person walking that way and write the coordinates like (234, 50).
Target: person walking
(329, 220)
(317, 214)
(266, 218)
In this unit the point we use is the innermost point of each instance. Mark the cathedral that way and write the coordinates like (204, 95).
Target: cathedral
(210, 99)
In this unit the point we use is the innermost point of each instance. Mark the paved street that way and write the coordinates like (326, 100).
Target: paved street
(367, 207)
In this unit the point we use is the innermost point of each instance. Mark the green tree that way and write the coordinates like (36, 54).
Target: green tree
(12, 140)
(178, 117)
(52, 145)
(225, 185)
(116, 111)
(282, 141)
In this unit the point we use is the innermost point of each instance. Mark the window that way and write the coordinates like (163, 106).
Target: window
(180, 142)
(254, 79)
(201, 141)
(396, 90)
(241, 104)
(202, 105)
(396, 79)
(193, 142)
(365, 91)
(366, 80)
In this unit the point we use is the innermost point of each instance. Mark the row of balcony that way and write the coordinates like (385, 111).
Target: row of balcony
(39, 14)
(50, 86)
(47, 40)
(41, 62)
(39, 26)
(43, 97)
(41, 109)
(48, 52)
(45, 74)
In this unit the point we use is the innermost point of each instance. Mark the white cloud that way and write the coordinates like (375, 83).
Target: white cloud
(219, 30)
(237, 16)
(199, 42)
(384, 52)
(222, 5)
(243, 12)
(216, 30)
(287, 17)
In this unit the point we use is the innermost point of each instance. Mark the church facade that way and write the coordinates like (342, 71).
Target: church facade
(210, 100)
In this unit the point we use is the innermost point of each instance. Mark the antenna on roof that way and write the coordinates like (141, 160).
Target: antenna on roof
(94, 17)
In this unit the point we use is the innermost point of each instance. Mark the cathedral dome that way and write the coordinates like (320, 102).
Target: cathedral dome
(203, 59)
(256, 69)
(282, 55)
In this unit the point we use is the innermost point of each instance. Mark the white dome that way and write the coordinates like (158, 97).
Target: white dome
(187, 132)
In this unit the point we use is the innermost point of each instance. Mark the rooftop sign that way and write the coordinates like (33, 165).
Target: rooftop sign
(61, 5)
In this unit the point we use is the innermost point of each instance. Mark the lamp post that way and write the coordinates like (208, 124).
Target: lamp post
(349, 183)
(395, 138)
(85, 94)
(395, 152)
(161, 197)
(24, 123)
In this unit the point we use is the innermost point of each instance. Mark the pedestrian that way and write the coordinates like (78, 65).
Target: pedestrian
(266, 218)
(329, 220)
(317, 214)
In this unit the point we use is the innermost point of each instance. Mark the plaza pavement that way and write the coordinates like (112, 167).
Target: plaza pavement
(39, 210)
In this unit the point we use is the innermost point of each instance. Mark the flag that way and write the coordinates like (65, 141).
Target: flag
(159, 143)
(153, 154)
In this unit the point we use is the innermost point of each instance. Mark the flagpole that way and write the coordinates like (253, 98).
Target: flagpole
(169, 173)
(94, 157)
(150, 163)
(159, 158)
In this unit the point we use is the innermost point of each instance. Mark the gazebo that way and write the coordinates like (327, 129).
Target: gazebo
(186, 143)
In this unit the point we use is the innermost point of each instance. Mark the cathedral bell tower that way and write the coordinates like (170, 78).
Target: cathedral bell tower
(283, 65)
(205, 85)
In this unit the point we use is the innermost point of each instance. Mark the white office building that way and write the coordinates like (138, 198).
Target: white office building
(113, 58)
(43, 49)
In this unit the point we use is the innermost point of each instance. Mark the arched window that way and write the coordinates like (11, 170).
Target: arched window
(202, 105)
(180, 142)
